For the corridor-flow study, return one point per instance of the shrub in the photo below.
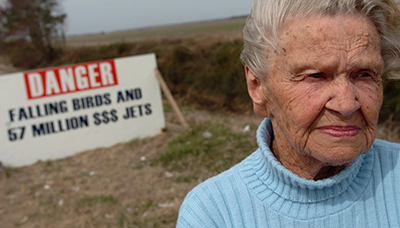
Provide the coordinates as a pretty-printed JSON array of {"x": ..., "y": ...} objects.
[
  {"x": 391, "y": 101},
  {"x": 204, "y": 73},
  {"x": 23, "y": 55}
]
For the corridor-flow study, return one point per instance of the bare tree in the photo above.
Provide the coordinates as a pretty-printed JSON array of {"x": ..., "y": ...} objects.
[{"x": 36, "y": 22}]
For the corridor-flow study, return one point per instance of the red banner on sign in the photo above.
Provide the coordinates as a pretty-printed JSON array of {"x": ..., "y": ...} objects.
[{"x": 69, "y": 79}]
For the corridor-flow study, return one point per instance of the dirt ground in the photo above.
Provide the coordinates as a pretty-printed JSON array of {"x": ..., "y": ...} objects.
[{"x": 120, "y": 186}]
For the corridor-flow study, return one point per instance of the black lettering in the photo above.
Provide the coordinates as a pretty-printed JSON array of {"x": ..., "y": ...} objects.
[
  {"x": 30, "y": 112},
  {"x": 138, "y": 93},
  {"x": 97, "y": 120},
  {"x": 38, "y": 110},
  {"x": 47, "y": 127},
  {"x": 83, "y": 104},
  {"x": 12, "y": 114},
  {"x": 52, "y": 129},
  {"x": 53, "y": 108},
  {"x": 74, "y": 123},
  {"x": 76, "y": 105},
  {"x": 59, "y": 126},
  {"x": 148, "y": 109},
  {"x": 129, "y": 95},
  {"x": 137, "y": 111},
  {"x": 63, "y": 106},
  {"x": 105, "y": 117},
  {"x": 68, "y": 125},
  {"x": 89, "y": 102},
  {"x": 107, "y": 99},
  {"x": 38, "y": 131},
  {"x": 46, "y": 110},
  {"x": 120, "y": 97},
  {"x": 13, "y": 133},
  {"x": 56, "y": 108},
  {"x": 127, "y": 114},
  {"x": 130, "y": 112},
  {"x": 98, "y": 100},
  {"x": 140, "y": 110},
  {"x": 114, "y": 116},
  {"x": 132, "y": 109},
  {"x": 84, "y": 121},
  {"x": 22, "y": 114},
  {"x": 12, "y": 136},
  {"x": 77, "y": 122}
]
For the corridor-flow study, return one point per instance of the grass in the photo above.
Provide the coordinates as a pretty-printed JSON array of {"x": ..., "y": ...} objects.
[
  {"x": 89, "y": 201},
  {"x": 191, "y": 150},
  {"x": 190, "y": 156},
  {"x": 175, "y": 30},
  {"x": 122, "y": 220},
  {"x": 209, "y": 148}
]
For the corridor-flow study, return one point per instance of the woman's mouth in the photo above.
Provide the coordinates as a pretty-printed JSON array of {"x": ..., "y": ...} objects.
[{"x": 339, "y": 131}]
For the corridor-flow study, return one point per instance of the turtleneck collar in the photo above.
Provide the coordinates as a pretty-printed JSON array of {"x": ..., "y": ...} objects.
[{"x": 271, "y": 181}]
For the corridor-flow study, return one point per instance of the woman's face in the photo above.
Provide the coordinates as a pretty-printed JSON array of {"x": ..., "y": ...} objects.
[{"x": 324, "y": 89}]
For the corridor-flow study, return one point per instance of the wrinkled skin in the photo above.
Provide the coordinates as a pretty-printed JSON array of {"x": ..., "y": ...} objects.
[{"x": 323, "y": 93}]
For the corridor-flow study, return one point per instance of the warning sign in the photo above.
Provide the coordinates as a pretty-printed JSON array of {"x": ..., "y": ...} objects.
[{"x": 54, "y": 113}]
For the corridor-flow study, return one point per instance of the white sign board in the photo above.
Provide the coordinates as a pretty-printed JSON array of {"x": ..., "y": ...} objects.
[{"x": 54, "y": 113}]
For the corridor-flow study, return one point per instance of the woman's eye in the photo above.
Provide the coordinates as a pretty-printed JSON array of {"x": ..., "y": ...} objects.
[
  {"x": 364, "y": 75},
  {"x": 317, "y": 75}
]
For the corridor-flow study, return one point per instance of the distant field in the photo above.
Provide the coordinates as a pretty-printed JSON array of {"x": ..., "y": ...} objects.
[{"x": 225, "y": 28}]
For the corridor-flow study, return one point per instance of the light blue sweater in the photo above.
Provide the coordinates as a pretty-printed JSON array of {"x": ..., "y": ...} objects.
[{"x": 260, "y": 192}]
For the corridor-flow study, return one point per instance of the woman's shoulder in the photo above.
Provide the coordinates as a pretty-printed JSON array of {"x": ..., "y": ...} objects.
[
  {"x": 386, "y": 147},
  {"x": 388, "y": 156},
  {"x": 211, "y": 200}
]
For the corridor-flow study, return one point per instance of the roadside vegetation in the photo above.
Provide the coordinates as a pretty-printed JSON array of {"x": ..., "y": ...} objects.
[
  {"x": 143, "y": 182},
  {"x": 202, "y": 69}
]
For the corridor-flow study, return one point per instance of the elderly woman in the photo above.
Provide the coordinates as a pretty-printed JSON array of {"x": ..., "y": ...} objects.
[{"x": 314, "y": 69}]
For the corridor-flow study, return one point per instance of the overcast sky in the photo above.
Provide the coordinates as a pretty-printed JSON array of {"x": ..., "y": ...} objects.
[{"x": 95, "y": 16}]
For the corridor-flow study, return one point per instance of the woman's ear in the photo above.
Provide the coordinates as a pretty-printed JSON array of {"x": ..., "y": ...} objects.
[{"x": 254, "y": 88}]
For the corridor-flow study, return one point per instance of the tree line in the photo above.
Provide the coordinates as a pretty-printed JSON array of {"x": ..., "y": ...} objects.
[{"x": 32, "y": 31}]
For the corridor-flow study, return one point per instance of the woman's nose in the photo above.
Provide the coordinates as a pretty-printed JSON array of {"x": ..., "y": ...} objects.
[{"x": 343, "y": 97}]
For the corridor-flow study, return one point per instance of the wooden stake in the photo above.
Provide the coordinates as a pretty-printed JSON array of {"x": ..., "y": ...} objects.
[{"x": 171, "y": 99}]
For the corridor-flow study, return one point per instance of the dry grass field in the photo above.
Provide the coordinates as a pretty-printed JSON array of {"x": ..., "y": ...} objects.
[
  {"x": 141, "y": 183},
  {"x": 135, "y": 184},
  {"x": 224, "y": 29}
]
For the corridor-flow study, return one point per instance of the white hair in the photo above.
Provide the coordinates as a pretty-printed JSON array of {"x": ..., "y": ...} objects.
[{"x": 261, "y": 32}]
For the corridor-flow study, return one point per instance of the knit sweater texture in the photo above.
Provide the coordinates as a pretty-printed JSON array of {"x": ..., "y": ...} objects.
[{"x": 261, "y": 192}]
